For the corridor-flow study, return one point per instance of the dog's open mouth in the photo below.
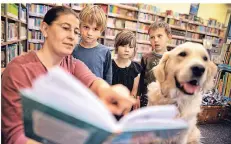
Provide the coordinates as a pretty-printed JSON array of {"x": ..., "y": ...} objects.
[{"x": 188, "y": 88}]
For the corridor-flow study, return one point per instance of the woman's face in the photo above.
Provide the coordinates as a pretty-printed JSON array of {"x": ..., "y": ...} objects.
[{"x": 62, "y": 35}]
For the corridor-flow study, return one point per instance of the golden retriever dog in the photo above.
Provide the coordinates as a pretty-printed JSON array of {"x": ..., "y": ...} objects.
[{"x": 181, "y": 75}]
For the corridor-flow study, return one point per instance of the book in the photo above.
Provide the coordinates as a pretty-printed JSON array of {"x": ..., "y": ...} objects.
[{"x": 60, "y": 109}]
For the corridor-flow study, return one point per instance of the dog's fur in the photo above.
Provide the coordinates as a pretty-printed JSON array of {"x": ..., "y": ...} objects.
[{"x": 176, "y": 66}]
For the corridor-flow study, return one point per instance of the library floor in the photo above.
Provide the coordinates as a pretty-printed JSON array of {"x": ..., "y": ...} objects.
[{"x": 216, "y": 133}]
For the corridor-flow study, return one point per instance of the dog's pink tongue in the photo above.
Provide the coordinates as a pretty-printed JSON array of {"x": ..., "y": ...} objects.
[{"x": 190, "y": 88}]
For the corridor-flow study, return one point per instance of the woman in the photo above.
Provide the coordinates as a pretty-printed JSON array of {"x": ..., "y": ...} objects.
[{"x": 60, "y": 28}]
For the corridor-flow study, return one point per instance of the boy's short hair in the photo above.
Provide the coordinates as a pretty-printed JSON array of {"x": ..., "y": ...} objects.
[
  {"x": 160, "y": 24},
  {"x": 125, "y": 37},
  {"x": 93, "y": 13}
]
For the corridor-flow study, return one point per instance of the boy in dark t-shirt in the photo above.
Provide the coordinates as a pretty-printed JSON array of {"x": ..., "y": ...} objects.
[{"x": 159, "y": 35}]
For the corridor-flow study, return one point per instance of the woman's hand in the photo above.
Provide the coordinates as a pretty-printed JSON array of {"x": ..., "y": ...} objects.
[{"x": 117, "y": 98}]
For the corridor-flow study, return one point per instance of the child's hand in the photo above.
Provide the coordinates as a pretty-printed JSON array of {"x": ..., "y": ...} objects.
[{"x": 137, "y": 104}]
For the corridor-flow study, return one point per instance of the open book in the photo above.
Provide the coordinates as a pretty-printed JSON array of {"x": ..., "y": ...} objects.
[{"x": 60, "y": 109}]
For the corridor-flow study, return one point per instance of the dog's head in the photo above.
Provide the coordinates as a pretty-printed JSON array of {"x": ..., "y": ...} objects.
[{"x": 187, "y": 68}]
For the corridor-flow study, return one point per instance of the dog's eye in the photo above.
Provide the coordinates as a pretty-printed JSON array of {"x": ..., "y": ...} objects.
[
  {"x": 205, "y": 58},
  {"x": 183, "y": 54}
]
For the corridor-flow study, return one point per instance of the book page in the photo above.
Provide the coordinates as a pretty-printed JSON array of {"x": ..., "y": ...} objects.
[
  {"x": 151, "y": 112},
  {"x": 62, "y": 91}
]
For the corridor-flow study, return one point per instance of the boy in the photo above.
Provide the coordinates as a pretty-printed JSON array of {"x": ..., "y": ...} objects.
[
  {"x": 159, "y": 35},
  {"x": 96, "y": 56}
]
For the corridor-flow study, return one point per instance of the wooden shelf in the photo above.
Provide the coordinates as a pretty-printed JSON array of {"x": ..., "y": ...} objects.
[
  {"x": 121, "y": 28},
  {"x": 3, "y": 16},
  {"x": 177, "y": 27},
  {"x": 122, "y": 17},
  {"x": 196, "y": 32},
  {"x": 125, "y": 7},
  {"x": 150, "y": 12},
  {"x": 23, "y": 4},
  {"x": 142, "y": 31},
  {"x": 35, "y": 41},
  {"x": 12, "y": 18},
  {"x": 184, "y": 20},
  {"x": 9, "y": 42},
  {"x": 23, "y": 22},
  {"x": 145, "y": 21},
  {"x": 178, "y": 37},
  {"x": 110, "y": 37},
  {"x": 192, "y": 22},
  {"x": 48, "y": 4},
  {"x": 195, "y": 40},
  {"x": 143, "y": 42},
  {"x": 209, "y": 34},
  {"x": 36, "y": 15}
]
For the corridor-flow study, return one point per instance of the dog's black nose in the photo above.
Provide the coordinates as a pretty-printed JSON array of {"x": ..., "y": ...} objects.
[{"x": 197, "y": 70}]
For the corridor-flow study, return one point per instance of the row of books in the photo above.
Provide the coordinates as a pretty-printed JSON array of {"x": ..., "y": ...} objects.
[
  {"x": 142, "y": 27},
  {"x": 117, "y": 23},
  {"x": 2, "y": 9},
  {"x": 120, "y": 11},
  {"x": 212, "y": 30},
  {"x": 12, "y": 10},
  {"x": 35, "y": 46},
  {"x": 214, "y": 23},
  {"x": 178, "y": 32},
  {"x": 194, "y": 35},
  {"x": 150, "y": 8},
  {"x": 143, "y": 48},
  {"x": 38, "y": 9},
  {"x": 227, "y": 58},
  {"x": 12, "y": 31},
  {"x": 23, "y": 32},
  {"x": 3, "y": 57},
  {"x": 111, "y": 33},
  {"x": 215, "y": 40},
  {"x": 141, "y": 36},
  {"x": 224, "y": 84},
  {"x": 3, "y": 33},
  {"x": 109, "y": 43},
  {"x": 35, "y": 35},
  {"x": 11, "y": 51},
  {"x": 34, "y": 23},
  {"x": 176, "y": 42},
  {"x": 178, "y": 23},
  {"x": 23, "y": 14},
  {"x": 149, "y": 17},
  {"x": 196, "y": 28}
]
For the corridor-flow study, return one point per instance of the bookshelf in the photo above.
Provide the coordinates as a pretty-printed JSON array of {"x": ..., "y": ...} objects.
[
  {"x": 134, "y": 17},
  {"x": 138, "y": 17},
  {"x": 13, "y": 32},
  {"x": 223, "y": 80}
]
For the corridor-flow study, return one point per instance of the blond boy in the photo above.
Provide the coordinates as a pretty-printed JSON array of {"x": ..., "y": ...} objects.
[{"x": 96, "y": 56}]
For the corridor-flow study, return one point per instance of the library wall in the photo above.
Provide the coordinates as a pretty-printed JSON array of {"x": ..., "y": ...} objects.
[{"x": 206, "y": 11}]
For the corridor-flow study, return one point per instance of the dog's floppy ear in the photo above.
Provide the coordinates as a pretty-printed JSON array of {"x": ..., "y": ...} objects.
[
  {"x": 212, "y": 71},
  {"x": 159, "y": 70}
]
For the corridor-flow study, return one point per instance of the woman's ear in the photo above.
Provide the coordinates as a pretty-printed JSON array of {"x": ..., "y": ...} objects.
[
  {"x": 44, "y": 29},
  {"x": 159, "y": 70}
]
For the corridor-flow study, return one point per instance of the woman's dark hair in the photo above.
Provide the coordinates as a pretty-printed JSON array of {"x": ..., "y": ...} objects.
[{"x": 55, "y": 12}]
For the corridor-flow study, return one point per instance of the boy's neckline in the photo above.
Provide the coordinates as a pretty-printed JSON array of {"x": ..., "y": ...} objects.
[{"x": 89, "y": 47}]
